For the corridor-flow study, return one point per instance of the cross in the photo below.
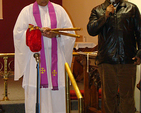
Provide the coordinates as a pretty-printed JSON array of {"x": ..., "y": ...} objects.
[
  {"x": 42, "y": 70},
  {"x": 54, "y": 72}
]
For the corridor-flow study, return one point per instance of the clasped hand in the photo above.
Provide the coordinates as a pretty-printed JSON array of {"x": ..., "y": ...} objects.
[{"x": 48, "y": 33}]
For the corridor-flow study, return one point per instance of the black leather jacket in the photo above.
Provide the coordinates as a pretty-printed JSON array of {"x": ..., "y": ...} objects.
[{"x": 117, "y": 36}]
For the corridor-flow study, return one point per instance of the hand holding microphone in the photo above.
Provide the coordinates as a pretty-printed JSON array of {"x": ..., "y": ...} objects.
[{"x": 110, "y": 9}]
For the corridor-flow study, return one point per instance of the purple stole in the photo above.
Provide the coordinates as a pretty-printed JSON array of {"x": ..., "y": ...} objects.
[{"x": 54, "y": 57}]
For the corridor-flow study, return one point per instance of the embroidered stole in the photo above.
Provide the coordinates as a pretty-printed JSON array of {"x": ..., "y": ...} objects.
[{"x": 54, "y": 56}]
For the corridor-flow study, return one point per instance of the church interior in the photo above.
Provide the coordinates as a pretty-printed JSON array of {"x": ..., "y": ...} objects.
[{"x": 87, "y": 98}]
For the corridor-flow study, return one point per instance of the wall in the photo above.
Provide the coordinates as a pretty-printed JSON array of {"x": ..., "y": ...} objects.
[
  {"x": 137, "y": 2},
  {"x": 138, "y": 76},
  {"x": 79, "y": 11},
  {"x": 11, "y": 9},
  {"x": 1, "y": 9}
]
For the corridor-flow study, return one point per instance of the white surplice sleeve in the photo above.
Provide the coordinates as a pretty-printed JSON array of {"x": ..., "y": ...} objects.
[{"x": 22, "y": 51}]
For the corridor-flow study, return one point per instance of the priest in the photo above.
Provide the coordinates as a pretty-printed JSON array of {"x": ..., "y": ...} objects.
[{"x": 32, "y": 34}]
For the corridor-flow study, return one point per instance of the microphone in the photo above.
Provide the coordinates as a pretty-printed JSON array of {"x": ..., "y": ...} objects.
[{"x": 36, "y": 56}]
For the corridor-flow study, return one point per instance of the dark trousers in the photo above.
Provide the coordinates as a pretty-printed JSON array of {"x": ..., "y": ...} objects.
[{"x": 114, "y": 77}]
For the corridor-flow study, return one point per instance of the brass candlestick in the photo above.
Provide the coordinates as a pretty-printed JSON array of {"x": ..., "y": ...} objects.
[
  {"x": 6, "y": 73},
  {"x": 5, "y": 77}
]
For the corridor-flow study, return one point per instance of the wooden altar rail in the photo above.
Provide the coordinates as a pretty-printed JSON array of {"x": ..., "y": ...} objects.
[{"x": 91, "y": 100}]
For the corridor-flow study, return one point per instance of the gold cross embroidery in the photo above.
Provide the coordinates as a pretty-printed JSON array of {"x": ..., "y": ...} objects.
[
  {"x": 42, "y": 70},
  {"x": 54, "y": 72}
]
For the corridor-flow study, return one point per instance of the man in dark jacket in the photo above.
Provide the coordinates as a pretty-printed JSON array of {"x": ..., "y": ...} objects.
[{"x": 118, "y": 26}]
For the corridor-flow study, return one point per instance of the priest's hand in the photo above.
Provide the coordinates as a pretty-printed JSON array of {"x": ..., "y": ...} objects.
[
  {"x": 136, "y": 60},
  {"x": 47, "y": 32}
]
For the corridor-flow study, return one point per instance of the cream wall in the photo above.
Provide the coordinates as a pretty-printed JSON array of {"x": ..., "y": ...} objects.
[
  {"x": 138, "y": 77},
  {"x": 79, "y": 12},
  {"x": 137, "y": 2},
  {"x": 0, "y": 9}
]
